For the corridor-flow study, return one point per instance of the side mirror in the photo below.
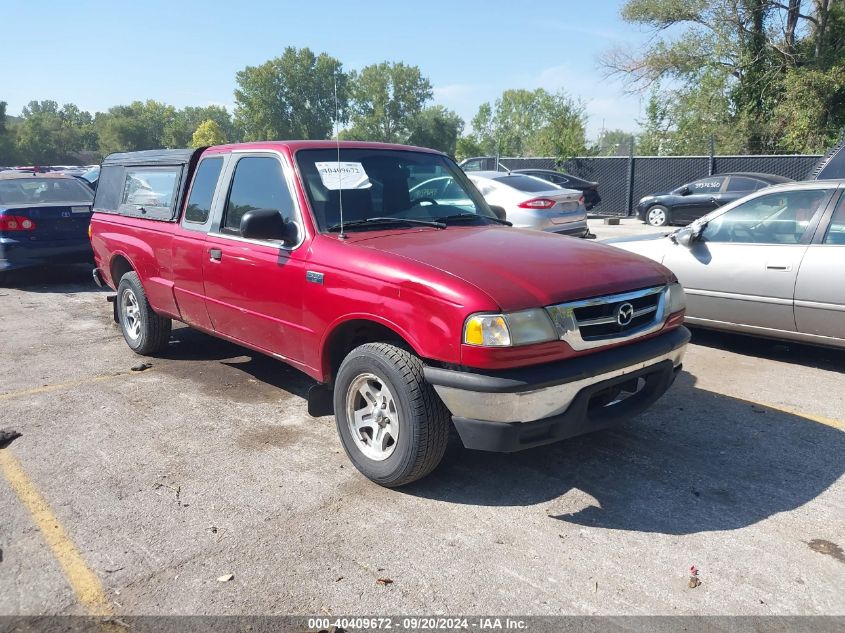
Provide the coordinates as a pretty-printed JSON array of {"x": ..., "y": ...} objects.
[
  {"x": 499, "y": 212},
  {"x": 685, "y": 236},
  {"x": 268, "y": 224},
  {"x": 684, "y": 191}
]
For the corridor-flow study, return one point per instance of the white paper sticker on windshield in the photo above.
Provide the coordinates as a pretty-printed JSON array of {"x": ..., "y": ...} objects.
[{"x": 342, "y": 175}]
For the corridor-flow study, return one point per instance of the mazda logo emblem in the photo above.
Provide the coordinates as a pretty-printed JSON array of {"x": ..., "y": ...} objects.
[{"x": 624, "y": 314}]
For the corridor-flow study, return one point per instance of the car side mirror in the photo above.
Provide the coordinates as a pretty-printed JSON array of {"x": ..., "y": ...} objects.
[
  {"x": 268, "y": 224},
  {"x": 684, "y": 191},
  {"x": 499, "y": 212},
  {"x": 685, "y": 236}
]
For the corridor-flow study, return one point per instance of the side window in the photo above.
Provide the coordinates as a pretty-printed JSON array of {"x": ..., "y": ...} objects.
[
  {"x": 258, "y": 183},
  {"x": 776, "y": 218},
  {"x": 836, "y": 230},
  {"x": 741, "y": 183},
  {"x": 149, "y": 190},
  {"x": 706, "y": 185},
  {"x": 473, "y": 165},
  {"x": 202, "y": 191}
]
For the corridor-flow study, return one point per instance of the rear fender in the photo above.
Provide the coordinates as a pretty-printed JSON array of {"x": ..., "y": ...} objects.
[{"x": 142, "y": 258}]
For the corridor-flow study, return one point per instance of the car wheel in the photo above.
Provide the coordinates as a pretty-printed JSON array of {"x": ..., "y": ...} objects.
[
  {"x": 657, "y": 215},
  {"x": 392, "y": 424},
  {"x": 144, "y": 331}
]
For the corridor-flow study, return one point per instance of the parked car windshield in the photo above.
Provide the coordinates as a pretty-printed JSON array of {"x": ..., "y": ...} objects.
[
  {"x": 28, "y": 190},
  {"x": 376, "y": 183}
]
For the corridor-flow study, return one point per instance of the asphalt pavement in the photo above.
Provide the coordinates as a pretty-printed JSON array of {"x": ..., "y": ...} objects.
[{"x": 142, "y": 492}]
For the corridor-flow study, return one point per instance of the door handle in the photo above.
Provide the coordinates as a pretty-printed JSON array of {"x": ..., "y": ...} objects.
[
  {"x": 215, "y": 254},
  {"x": 778, "y": 266}
]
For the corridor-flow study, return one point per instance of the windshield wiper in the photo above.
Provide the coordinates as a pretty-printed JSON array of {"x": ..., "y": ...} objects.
[
  {"x": 385, "y": 220},
  {"x": 473, "y": 216}
]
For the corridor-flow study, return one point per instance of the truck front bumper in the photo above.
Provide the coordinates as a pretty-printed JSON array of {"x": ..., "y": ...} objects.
[{"x": 507, "y": 411}]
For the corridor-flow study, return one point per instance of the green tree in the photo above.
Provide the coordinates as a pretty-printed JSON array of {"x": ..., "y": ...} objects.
[
  {"x": 137, "y": 126},
  {"x": 179, "y": 131},
  {"x": 290, "y": 97},
  {"x": 50, "y": 134},
  {"x": 7, "y": 142},
  {"x": 811, "y": 111},
  {"x": 208, "y": 133},
  {"x": 736, "y": 65},
  {"x": 386, "y": 100},
  {"x": 529, "y": 122},
  {"x": 563, "y": 132},
  {"x": 612, "y": 143},
  {"x": 436, "y": 127}
]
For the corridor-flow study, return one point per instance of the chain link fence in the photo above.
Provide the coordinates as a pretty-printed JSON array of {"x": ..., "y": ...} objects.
[{"x": 623, "y": 180}]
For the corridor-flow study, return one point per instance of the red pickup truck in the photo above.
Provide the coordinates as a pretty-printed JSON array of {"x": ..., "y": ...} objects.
[{"x": 381, "y": 272}]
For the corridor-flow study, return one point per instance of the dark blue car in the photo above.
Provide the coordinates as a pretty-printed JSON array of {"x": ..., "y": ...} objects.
[{"x": 43, "y": 220}]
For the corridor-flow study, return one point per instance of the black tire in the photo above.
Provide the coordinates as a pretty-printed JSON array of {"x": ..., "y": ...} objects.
[
  {"x": 148, "y": 334},
  {"x": 655, "y": 211},
  {"x": 423, "y": 420}
]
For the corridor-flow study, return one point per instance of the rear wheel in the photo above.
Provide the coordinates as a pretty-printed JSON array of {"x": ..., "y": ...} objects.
[
  {"x": 144, "y": 331},
  {"x": 392, "y": 424},
  {"x": 657, "y": 215}
]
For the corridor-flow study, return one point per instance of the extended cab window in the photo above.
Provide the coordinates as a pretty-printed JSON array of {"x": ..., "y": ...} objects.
[
  {"x": 202, "y": 191},
  {"x": 258, "y": 184},
  {"x": 149, "y": 190}
]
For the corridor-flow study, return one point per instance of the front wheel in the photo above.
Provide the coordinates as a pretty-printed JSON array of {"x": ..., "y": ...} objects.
[
  {"x": 657, "y": 215},
  {"x": 144, "y": 331},
  {"x": 392, "y": 424}
]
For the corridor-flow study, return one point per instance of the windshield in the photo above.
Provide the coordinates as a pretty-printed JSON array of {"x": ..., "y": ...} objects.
[
  {"x": 92, "y": 174},
  {"x": 375, "y": 183},
  {"x": 27, "y": 191}
]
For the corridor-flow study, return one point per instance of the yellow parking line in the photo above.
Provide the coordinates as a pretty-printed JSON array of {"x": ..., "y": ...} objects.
[
  {"x": 61, "y": 385},
  {"x": 82, "y": 579},
  {"x": 836, "y": 424}
]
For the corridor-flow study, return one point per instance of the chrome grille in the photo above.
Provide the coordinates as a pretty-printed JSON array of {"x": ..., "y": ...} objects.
[{"x": 610, "y": 319}]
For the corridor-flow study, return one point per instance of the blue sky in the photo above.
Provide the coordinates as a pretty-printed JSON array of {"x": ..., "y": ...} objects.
[{"x": 98, "y": 54}]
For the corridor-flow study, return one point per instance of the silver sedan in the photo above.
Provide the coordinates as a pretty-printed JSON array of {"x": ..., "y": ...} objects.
[
  {"x": 770, "y": 264},
  {"x": 534, "y": 203}
]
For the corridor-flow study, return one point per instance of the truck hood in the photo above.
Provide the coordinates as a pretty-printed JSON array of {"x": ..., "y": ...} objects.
[{"x": 521, "y": 268}]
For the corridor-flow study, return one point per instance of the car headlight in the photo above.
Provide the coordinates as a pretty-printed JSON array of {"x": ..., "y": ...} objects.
[
  {"x": 506, "y": 330},
  {"x": 677, "y": 300}
]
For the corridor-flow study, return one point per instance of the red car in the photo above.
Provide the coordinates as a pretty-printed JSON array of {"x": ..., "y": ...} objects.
[{"x": 413, "y": 315}]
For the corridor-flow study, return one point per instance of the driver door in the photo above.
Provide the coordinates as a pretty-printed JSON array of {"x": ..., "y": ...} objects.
[
  {"x": 703, "y": 197},
  {"x": 743, "y": 267}
]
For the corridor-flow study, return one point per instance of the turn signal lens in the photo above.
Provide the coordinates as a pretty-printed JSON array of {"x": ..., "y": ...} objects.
[
  {"x": 505, "y": 330},
  {"x": 489, "y": 330}
]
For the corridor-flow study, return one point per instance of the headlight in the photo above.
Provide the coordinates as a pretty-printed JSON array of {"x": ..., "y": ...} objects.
[
  {"x": 677, "y": 299},
  {"x": 506, "y": 330}
]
